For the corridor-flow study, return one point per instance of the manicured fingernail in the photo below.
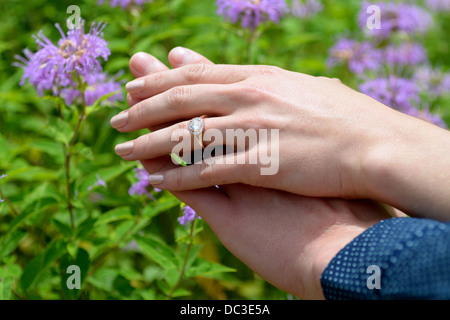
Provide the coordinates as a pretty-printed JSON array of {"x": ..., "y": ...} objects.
[
  {"x": 181, "y": 55},
  {"x": 144, "y": 63},
  {"x": 120, "y": 120},
  {"x": 155, "y": 179},
  {"x": 124, "y": 148},
  {"x": 135, "y": 85}
]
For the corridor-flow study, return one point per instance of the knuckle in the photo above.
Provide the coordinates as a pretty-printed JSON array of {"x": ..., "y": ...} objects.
[
  {"x": 253, "y": 92},
  {"x": 195, "y": 72},
  {"x": 139, "y": 111},
  {"x": 207, "y": 172},
  {"x": 182, "y": 126},
  {"x": 178, "y": 178},
  {"x": 158, "y": 80},
  {"x": 258, "y": 121},
  {"x": 141, "y": 145},
  {"x": 267, "y": 70},
  {"x": 337, "y": 80},
  {"x": 177, "y": 97}
]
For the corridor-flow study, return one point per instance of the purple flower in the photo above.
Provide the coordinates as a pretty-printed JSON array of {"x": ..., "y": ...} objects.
[
  {"x": 397, "y": 93},
  {"x": 99, "y": 182},
  {"x": 425, "y": 115},
  {"x": 76, "y": 57},
  {"x": 1, "y": 177},
  {"x": 251, "y": 13},
  {"x": 124, "y": 3},
  {"x": 131, "y": 246},
  {"x": 188, "y": 216},
  {"x": 397, "y": 17},
  {"x": 359, "y": 56},
  {"x": 98, "y": 86},
  {"x": 432, "y": 81},
  {"x": 141, "y": 186},
  {"x": 307, "y": 8},
  {"x": 405, "y": 54},
  {"x": 439, "y": 5}
]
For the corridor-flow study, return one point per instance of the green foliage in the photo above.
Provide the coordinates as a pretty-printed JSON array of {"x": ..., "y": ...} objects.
[{"x": 127, "y": 247}]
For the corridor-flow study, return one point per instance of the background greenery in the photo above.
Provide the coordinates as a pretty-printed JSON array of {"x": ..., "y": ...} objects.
[{"x": 36, "y": 240}]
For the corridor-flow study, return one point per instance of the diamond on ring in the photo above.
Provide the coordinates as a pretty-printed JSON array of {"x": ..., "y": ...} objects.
[{"x": 196, "y": 126}]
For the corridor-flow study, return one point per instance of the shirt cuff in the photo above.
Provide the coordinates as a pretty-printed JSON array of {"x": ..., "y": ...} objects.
[{"x": 398, "y": 258}]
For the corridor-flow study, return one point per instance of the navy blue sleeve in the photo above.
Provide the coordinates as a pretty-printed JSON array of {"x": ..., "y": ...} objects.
[{"x": 398, "y": 258}]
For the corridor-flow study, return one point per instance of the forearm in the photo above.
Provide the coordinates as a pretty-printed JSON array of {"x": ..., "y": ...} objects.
[{"x": 409, "y": 167}]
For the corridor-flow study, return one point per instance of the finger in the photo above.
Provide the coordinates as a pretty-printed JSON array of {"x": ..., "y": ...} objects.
[
  {"x": 132, "y": 101},
  {"x": 162, "y": 126},
  {"x": 180, "y": 56},
  {"x": 178, "y": 103},
  {"x": 158, "y": 164},
  {"x": 142, "y": 64},
  {"x": 156, "y": 83},
  {"x": 214, "y": 171},
  {"x": 163, "y": 142}
]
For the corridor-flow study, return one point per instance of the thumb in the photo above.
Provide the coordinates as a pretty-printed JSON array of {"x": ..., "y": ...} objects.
[{"x": 180, "y": 56}]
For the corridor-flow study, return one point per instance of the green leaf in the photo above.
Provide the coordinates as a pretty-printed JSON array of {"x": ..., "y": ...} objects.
[
  {"x": 39, "y": 193},
  {"x": 40, "y": 263},
  {"x": 83, "y": 151},
  {"x": 99, "y": 103},
  {"x": 65, "y": 230},
  {"x": 122, "y": 213},
  {"x": 59, "y": 130},
  {"x": 32, "y": 174},
  {"x": 50, "y": 147},
  {"x": 85, "y": 228},
  {"x": 10, "y": 242},
  {"x": 5, "y": 288},
  {"x": 207, "y": 269},
  {"x": 104, "y": 278},
  {"x": 106, "y": 174},
  {"x": 40, "y": 207},
  {"x": 159, "y": 252},
  {"x": 163, "y": 205},
  {"x": 178, "y": 160}
]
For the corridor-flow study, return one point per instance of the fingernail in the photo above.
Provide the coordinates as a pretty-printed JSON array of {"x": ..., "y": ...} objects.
[
  {"x": 155, "y": 179},
  {"x": 144, "y": 63},
  {"x": 124, "y": 148},
  {"x": 135, "y": 85},
  {"x": 181, "y": 55},
  {"x": 120, "y": 120}
]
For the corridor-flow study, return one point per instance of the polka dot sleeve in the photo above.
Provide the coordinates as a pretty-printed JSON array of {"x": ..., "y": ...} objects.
[{"x": 398, "y": 258}]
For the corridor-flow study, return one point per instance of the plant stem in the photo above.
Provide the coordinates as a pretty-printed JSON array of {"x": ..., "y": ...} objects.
[
  {"x": 10, "y": 205},
  {"x": 183, "y": 268},
  {"x": 68, "y": 153}
]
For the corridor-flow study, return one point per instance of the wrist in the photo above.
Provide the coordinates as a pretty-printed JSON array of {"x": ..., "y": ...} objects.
[{"x": 406, "y": 166}]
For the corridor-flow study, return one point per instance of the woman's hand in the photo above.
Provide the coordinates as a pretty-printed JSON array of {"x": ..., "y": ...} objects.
[
  {"x": 333, "y": 141},
  {"x": 323, "y": 136},
  {"x": 285, "y": 238}
]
